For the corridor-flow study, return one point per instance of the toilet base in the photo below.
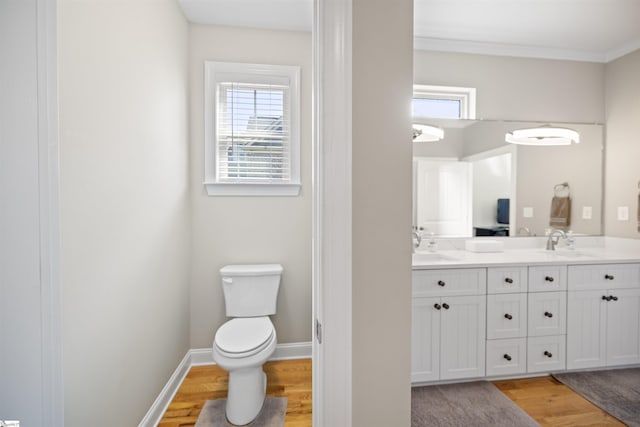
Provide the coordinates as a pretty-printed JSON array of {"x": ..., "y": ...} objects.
[{"x": 247, "y": 389}]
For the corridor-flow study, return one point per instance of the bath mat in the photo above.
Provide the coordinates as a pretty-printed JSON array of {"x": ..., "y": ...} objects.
[
  {"x": 616, "y": 392},
  {"x": 477, "y": 403},
  {"x": 272, "y": 413}
]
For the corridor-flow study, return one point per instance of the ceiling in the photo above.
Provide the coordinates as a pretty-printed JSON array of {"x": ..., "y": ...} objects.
[{"x": 584, "y": 30}]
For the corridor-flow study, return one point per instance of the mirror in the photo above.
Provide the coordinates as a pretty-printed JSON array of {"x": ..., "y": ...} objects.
[{"x": 473, "y": 183}]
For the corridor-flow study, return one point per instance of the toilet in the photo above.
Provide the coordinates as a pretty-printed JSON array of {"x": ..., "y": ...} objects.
[{"x": 242, "y": 344}]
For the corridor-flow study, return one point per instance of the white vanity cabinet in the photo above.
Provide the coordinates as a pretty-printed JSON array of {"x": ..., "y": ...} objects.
[
  {"x": 603, "y": 326},
  {"x": 448, "y": 324}
]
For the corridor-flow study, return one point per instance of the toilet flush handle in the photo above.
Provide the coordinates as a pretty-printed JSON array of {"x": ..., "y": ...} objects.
[{"x": 227, "y": 281}]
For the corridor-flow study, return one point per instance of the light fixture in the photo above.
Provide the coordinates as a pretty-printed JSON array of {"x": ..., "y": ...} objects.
[
  {"x": 543, "y": 136},
  {"x": 427, "y": 133}
]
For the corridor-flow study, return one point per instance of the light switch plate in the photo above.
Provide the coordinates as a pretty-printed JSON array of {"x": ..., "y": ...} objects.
[
  {"x": 587, "y": 212},
  {"x": 623, "y": 213},
  {"x": 527, "y": 212}
]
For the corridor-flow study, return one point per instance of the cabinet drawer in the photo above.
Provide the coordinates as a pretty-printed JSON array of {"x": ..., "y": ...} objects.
[
  {"x": 506, "y": 316},
  {"x": 546, "y": 353},
  {"x": 547, "y": 312},
  {"x": 548, "y": 278},
  {"x": 469, "y": 281},
  {"x": 506, "y": 357},
  {"x": 506, "y": 280},
  {"x": 604, "y": 276}
]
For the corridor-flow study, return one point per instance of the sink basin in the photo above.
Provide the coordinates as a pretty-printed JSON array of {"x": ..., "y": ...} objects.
[
  {"x": 431, "y": 257},
  {"x": 564, "y": 253}
]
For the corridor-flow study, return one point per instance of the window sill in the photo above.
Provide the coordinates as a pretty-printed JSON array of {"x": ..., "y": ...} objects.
[{"x": 238, "y": 189}]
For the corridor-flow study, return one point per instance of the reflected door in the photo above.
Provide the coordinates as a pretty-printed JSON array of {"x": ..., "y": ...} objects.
[{"x": 443, "y": 197}]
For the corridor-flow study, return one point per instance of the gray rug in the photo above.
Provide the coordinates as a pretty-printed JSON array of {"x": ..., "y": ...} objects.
[
  {"x": 272, "y": 413},
  {"x": 615, "y": 391},
  {"x": 476, "y": 404}
]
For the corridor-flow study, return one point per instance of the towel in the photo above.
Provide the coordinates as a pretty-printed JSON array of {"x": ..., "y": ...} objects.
[{"x": 560, "y": 212}]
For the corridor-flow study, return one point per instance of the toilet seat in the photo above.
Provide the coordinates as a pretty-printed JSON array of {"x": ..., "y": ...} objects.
[{"x": 244, "y": 336}]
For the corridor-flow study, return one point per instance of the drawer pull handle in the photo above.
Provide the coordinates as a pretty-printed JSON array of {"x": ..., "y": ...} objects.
[
  {"x": 508, "y": 316},
  {"x": 547, "y": 314},
  {"x": 437, "y": 306},
  {"x": 546, "y": 353},
  {"x": 445, "y": 306},
  {"x": 613, "y": 297},
  {"x": 441, "y": 283},
  {"x": 609, "y": 277},
  {"x": 506, "y": 356},
  {"x": 548, "y": 279},
  {"x": 509, "y": 280}
]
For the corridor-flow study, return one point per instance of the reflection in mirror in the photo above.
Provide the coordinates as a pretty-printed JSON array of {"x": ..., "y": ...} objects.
[{"x": 473, "y": 183}]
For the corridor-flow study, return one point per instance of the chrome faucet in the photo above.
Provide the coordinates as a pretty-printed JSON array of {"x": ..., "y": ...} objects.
[
  {"x": 551, "y": 242},
  {"x": 416, "y": 238}
]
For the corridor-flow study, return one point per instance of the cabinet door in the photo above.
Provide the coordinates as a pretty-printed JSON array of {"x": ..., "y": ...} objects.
[
  {"x": 547, "y": 313},
  {"x": 425, "y": 339},
  {"x": 462, "y": 340},
  {"x": 547, "y": 278},
  {"x": 441, "y": 282},
  {"x": 546, "y": 354},
  {"x": 623, "y": 327},
  {"x": 506, "y": 316},
  {"x": 586, "y": 329},
  {"x": 507, "y": 357},
  {"x": 506, "y": 280}
]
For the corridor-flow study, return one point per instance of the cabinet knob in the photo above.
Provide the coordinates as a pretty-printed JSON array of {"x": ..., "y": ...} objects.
[
  {"x": 547, "y": 314},
  {"x": 604, "y": 297},
  {"x": 508, "y": 280},
  {"x": 609, "y": 277},
  {"x": 506, "y": 356},
  {"x": 546, "y": 353},
  {"x": 437, "y": 306},
  {"x": 441, "y": 283},
  {"x": 508, "y": 316},
  {"x": 445, "y": 306},
  {"x": 613, "y": 297},
  {"x": 548, "y": 279}
]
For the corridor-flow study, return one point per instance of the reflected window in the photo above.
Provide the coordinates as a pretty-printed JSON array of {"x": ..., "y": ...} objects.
[{"x": 443, "y": 102}]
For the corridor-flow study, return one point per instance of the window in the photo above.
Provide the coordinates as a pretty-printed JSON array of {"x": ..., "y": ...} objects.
[
  {"x": 252, "y": 141},
  {"x": 443, "y": 102}
]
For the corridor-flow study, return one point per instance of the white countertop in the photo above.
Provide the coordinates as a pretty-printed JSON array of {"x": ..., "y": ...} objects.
[{"x": 530, "y": 251}]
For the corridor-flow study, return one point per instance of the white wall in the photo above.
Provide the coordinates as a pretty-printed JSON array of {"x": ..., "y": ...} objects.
[
  {"x": 622, "y": 172},
  {"x": 124, "y": 205},
  {"x": 241, "y": 230},
  {"x": 381, "y": 209}
]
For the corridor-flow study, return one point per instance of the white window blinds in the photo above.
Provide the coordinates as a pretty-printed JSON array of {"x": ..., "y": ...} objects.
[{"x": 253, "y": 132}]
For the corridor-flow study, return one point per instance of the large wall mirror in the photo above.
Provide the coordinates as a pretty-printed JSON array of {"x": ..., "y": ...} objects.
[{"x": 473, "y": 183}]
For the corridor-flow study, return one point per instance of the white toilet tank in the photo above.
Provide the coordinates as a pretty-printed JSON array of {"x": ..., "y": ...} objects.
[{"x": 251, "y": 290}]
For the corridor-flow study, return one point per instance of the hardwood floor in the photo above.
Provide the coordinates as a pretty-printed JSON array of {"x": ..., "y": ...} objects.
[
  {"x": 546, "y": 400},
  {"x": 291, "y": 379},
  {"x": 551, "y": 403}
]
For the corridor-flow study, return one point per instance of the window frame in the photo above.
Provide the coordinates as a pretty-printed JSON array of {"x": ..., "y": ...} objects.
[
  {"x": 216, "y": 72},
  {"x": 465, "y": 95}
]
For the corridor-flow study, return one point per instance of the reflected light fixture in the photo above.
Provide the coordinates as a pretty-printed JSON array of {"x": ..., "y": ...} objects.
[
  {"x": 543, "y": 136},
  {"x": 427, "y": 133}
]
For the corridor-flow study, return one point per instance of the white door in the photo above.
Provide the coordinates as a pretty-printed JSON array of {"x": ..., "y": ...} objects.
[
  {"x": 623, "y": 327},
  {"x": 586, "y": 329},
  {"x": 462, "y": 337},
  {"x": 425, "y": 339},
  {"x": 443, "y": 197}
]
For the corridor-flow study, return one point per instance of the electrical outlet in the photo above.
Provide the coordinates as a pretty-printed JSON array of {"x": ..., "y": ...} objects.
[
  {"x": 527, "y": 212},
  {"x": 587, "y": 212},
  {"x": 623, "y": 213}
]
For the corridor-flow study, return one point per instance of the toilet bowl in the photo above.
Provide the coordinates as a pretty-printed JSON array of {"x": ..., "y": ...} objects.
[{"x": 243, "y": 344}]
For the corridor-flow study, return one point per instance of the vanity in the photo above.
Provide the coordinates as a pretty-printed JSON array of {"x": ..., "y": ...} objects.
[{"x": 524, "y": 311}]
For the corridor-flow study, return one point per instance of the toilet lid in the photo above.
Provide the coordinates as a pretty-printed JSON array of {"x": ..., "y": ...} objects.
[{"x": 243, "y": 334}]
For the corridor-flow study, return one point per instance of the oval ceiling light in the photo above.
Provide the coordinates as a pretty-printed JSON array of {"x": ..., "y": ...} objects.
[
  {"x": 427, "y": 133},
  {"x": 543, "y": 136}
]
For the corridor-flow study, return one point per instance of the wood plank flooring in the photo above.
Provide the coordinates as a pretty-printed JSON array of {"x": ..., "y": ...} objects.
[{"x": 546, "y": 400}]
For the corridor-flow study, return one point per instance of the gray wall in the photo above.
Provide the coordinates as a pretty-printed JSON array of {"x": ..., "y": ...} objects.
[
  {"x": 381, "y": 203},
  {"x": 237, "y": 230},
  {"x": 124, "y": 205},
  {"x": 622, "y": 170}
]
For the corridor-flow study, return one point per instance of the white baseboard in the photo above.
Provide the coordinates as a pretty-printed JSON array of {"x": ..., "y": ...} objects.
[{"x": 202, "y": 357}]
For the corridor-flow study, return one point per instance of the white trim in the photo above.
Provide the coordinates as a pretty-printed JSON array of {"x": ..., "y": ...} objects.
[
  {"x": 332, "y": 215},
  {"x": 238, "y": 189},
  {"x": 202, "y": 357},
  {"x": 48, "y": 170}
]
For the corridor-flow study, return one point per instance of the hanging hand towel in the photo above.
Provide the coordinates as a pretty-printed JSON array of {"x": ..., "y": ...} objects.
[{"x": 560, "y": 212}]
